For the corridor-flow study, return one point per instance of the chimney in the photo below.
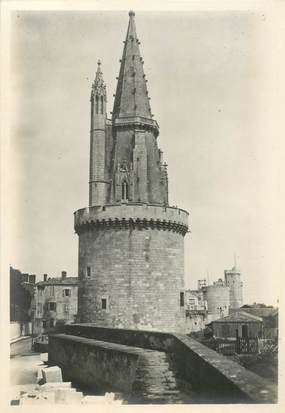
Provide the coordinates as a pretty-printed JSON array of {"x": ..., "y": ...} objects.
[
  {"x": 32, "y": 278},
  {"x": 63, "y": 275},
  {"x": 45, "y": 277}
]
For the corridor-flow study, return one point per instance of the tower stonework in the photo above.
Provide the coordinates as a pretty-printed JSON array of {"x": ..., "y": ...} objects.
[{"x": 131, "y": 242}]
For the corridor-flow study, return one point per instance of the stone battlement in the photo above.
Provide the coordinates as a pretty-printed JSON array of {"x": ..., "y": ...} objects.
[{"x": 132, "y": 215}]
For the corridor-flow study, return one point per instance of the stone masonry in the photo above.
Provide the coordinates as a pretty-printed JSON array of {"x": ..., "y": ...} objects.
[{"x": 131, "y": 242}]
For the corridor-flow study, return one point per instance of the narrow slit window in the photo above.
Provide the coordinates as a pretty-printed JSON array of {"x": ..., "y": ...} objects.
[
  {"x": 88, "y": 272},
  {"x": 97, "y": 104},
  {"x": 104, "y": 303},
  {"x": 182, "y": 299},
  {"x": 102, "y": 107}
]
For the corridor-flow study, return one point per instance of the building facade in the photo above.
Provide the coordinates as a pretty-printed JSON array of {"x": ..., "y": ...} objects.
[
  {"x": 22, "y": 304},
  {"x": 55, "y": 302},
  {"x": 233, "y": 281},
  {"x": 195, "y": 310},
  {"x": 131, "y": 242}
]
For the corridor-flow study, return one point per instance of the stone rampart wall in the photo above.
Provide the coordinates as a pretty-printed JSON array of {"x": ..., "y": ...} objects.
[{"x": 88, "y": 362}]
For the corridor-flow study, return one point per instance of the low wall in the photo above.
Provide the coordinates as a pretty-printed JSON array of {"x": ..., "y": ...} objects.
[
  {"x": 87, "y": 361},
  {"x": 21, "y": 345},
  {"x": 143, "y": 376},
  {"x": 218, "y": 378},
  {"x": 18, "y": 329}
]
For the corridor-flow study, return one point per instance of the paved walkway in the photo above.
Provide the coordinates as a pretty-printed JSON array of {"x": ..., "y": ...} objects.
[{"x": 23, "y": 373}]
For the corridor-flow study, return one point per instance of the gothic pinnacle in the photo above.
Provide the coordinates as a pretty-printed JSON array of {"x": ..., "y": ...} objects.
[{"x": 98, "y": 86}]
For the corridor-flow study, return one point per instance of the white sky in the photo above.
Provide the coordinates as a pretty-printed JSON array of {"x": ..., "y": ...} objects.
[{"x": 209, "y": 79}]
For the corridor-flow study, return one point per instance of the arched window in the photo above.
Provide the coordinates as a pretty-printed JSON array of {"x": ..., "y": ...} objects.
[
  {"x": 125, "y": 191},
  {"x": 102, "y": 105},
  {"x": 97, "y": 104}
]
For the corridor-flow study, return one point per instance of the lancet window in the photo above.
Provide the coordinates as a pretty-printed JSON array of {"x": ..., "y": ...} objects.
[{"x": 125, "y": 191}]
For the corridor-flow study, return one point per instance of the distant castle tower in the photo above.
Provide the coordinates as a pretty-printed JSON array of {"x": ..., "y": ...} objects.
[
  {"x": 233, "y": 281},
  {"x": 217, "y": 297},
  {"x": 131, "y": 243}
]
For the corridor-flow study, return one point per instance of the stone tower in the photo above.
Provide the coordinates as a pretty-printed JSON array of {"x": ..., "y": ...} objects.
[
  {"x": 233, "y": 281},
  {"x": 131, "y": 242}
]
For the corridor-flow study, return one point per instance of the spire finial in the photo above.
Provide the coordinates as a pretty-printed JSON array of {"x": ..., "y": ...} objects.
[
  {"x": 131, "y": 13},
  {"x": 99, "y": 65}
]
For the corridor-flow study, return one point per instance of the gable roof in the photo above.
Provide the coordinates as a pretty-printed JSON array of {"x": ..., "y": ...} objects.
[
  {"x": 262, "y": 312},
  {"x": 239, "y": 317}
]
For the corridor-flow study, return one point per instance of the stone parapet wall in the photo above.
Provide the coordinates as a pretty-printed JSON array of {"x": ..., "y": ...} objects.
[
  {"x": 21, "y": 345},
  {"x": 217, "y": 378},
  {"x": 92, "y": 363},
  {"x": 141, "y": 375},
  {"x": 137, "y": 215}
]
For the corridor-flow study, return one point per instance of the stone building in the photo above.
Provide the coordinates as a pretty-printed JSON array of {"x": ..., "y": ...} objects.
[
  {"x": 233, "y": 281},
  {"x": 131, "y": 242},
  {"x": 238, "y": 324},
  {"x": 269, "y": 315},
  {"x": 194, "y": 300},
  {"x": 207, "y": 303},
  {"x": 55, "y": 302},
  {"x": 196, "y": 310},
  {"x": 22, "y": 288}
]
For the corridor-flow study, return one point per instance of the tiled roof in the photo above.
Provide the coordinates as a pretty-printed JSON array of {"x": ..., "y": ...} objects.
[
  {"x": 239, "y": 316},
  {"x": 258, "y": 311},
  {"x": 58, "y": 281}
]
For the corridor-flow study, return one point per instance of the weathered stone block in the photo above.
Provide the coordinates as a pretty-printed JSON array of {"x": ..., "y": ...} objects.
[
  {"x": 54, "y": 386},
  {"x": 67, "y": 396},
  {"x": 52, "y": 374},
  {"x": 44, "y": 357},
  {"x": 40, "y": 374}
]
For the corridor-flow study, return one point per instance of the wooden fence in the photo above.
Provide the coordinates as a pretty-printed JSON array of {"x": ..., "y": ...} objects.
[{"x": 247, "y": 345}]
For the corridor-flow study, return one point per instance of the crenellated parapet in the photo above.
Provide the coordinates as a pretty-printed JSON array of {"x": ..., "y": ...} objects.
[{"x": 139, "y": 216}]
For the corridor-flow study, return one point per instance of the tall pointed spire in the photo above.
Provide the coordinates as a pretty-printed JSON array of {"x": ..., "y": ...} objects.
[{"x": 131, "y": 99}]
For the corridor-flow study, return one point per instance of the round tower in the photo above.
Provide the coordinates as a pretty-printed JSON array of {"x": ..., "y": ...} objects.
[
  {"x": 218, "y": 300},
  {"x": 131, "y": 242},
  {"x": 233, "y": 281}
]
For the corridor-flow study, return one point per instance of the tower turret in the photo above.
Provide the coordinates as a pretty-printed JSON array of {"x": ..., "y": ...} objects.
[
  {"x": 97, "y": 182},
  {"x": 233, "y": 281}
]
